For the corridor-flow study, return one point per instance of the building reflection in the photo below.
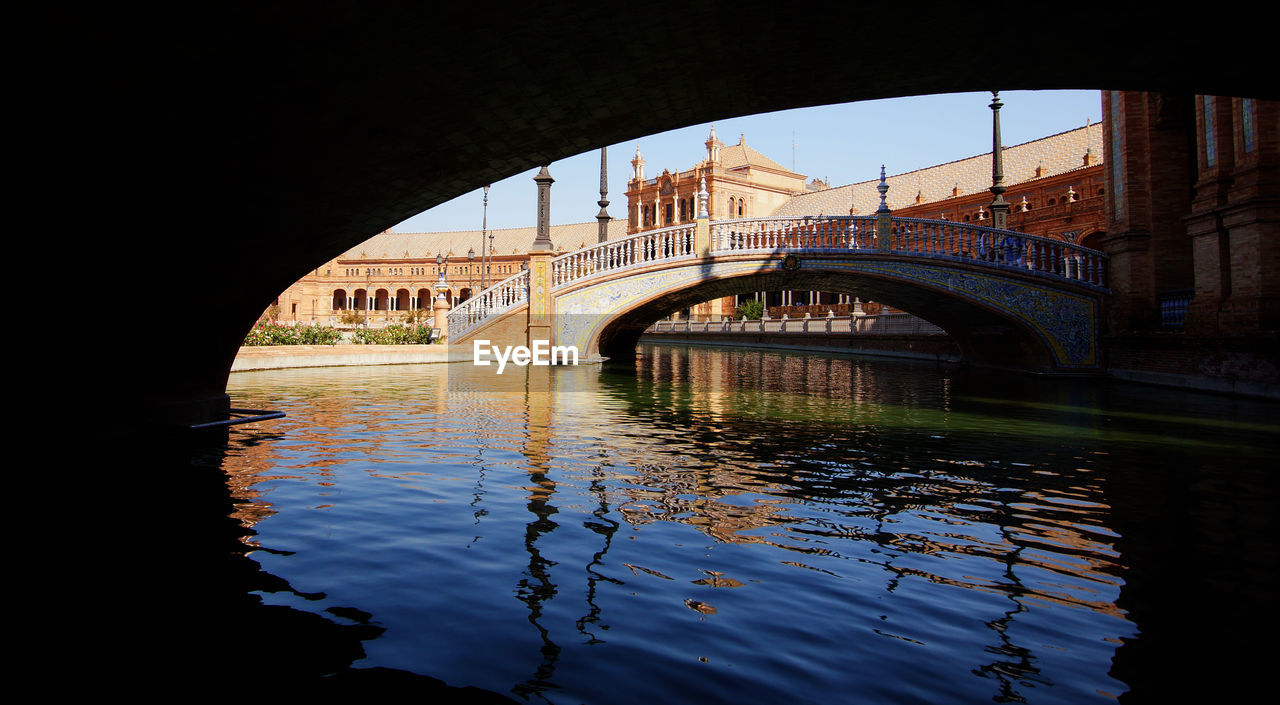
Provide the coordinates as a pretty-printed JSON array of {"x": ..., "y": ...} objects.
[{"x": 757, "y": 463}]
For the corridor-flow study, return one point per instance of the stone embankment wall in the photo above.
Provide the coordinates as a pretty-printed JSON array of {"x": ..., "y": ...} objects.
[{"x": 886, "y": 335}]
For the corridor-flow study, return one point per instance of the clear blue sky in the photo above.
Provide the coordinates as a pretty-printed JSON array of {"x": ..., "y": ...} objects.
[{"x": 843, "y": 143}]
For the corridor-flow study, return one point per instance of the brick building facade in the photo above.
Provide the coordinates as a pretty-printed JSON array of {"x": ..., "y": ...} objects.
[{"x": 1193, "y": 222}]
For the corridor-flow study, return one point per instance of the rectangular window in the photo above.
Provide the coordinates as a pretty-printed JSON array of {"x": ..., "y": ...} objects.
[
  {"x": 1210, "y": 145},
  {"x": 1246, "y": 123}
]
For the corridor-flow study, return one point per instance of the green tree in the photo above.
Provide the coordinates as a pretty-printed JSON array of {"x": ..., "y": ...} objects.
[{"x": 752, "y": 310}]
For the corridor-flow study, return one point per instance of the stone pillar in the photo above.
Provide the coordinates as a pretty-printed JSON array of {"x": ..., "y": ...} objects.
[
  {"x": 441, "y": 310},
  {"x": 884, "y": 225},
  {"x": 702, "y": 228},
  {"x": 541, "y": 303}
]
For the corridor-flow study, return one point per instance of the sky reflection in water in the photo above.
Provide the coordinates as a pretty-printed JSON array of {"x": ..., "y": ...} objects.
[{"x": 711, "y": 526}]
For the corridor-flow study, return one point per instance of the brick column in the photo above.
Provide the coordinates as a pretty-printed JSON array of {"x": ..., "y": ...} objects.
[
  {"x": 1147, "y": 172},
  {"x": 1250, "y": 217}
]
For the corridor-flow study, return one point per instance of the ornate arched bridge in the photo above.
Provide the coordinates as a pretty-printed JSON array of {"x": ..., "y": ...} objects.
[{"x": 1008, "y": 299}]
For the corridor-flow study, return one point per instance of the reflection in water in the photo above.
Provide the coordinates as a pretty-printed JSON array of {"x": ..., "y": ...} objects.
[{"x": 724, "y": 525}]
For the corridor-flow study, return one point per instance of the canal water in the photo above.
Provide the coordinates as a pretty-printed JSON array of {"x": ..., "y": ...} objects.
[{"x": 727, "y": 525}]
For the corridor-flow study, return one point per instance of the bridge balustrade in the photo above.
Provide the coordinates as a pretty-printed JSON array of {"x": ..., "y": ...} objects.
[
  {"x": 671, "y": 243},
  {"x": 746, "y": 234},
  {"x": 499, "y": 298},
  {"x": 942, "y": 239},
  {"x": 917, "y": 236}
]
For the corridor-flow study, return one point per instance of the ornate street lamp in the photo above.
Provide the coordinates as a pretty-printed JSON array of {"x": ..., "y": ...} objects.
[
  {"x": 999, "y": 206},
  {"x": 441, "y": 285},
  {"x": 471, "y": 255},
  {"x": 484, "y": 227}
]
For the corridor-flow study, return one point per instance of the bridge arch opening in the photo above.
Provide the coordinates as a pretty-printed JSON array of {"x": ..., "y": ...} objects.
[{"x": 985, "y": 336}]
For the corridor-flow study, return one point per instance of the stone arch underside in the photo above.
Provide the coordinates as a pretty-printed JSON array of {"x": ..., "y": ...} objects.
[
  {"x": 996, "y": 320},
  {"x": 314, "y": 135}
]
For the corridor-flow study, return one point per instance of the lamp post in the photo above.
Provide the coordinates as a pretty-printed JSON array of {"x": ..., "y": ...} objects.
[
  {"x": 441, "y": 285},
  {"x": 471, "y": 255},
  {"x": 999, "y": 206},
  {"x": 484, "y": 227},
  {"x": 441, "y": 305}
]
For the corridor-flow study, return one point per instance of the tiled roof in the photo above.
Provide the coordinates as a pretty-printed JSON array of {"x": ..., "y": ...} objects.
[
  {"x": 740, "y": 155},
  {"x": 424, "y": 246},
  {"x": 1057, "y": 154}
]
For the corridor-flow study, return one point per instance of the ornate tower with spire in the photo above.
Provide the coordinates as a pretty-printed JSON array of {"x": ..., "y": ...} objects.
[
  {"x": 713, "y": 146},
  {"x": 637, "y": 166}
]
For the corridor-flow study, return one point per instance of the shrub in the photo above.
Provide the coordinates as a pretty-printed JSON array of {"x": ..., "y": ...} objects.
[
  {"x": 752, "y": 310},
  {"x": 394, "y": 334},
  {"x": 268, "y": 333}
]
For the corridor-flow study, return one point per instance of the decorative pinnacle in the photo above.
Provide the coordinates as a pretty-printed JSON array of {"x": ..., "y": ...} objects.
[
  {"x": 997, "y": 156},
  {"x": 604, "y": 182},
  {"x": 703, "y": 197},
  {"x": 602, "y": 218},
  {"x": 544, "y": 181},
  {"x": 883, "y": 188},
  {"x": 604, "y": 178}
]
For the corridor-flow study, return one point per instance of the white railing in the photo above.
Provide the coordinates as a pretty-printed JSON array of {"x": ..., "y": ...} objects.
[
  {"x": 497, "y": 299},
  {"x": 942, "y": 239},
  {"x": 747, "y": 234},
  {"x": 667, "y": 244}
]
